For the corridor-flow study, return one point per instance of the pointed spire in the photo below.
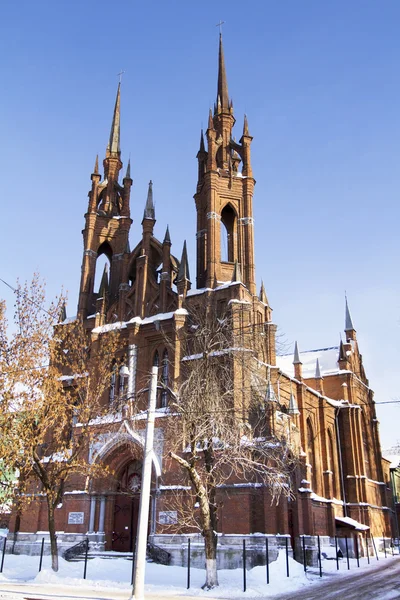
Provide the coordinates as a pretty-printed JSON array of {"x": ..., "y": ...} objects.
[
  {"x": 183, "y": 272},
  {"x": 167, "y": 237},
  {"x": 317, "y": 370},
  {"x": 293, "y": 408},
  {"x": 270, "y": 395},
  {"x": 128, "y": 247},
  {"x": 348, "y": 322},
  {"x": 210, "y": 120},
  {"x": 103, "y": 289},
  {"x": 237, "y": 275},
  {"x": 222, "y": 92},
  {"x": 245, "y": 126},
  {"x": 296, "y": 357},
  {"x": 63, "y": 313},
  {"x": 96, "y": 165},
  {"x": 128, "y": 170},
  {"x": 149, "y": 211},
  {"x": 263, "y": 296},
  {"x": 114, "y": 143},
  {"x": 202, "y": 147},
  {"x": 342, "y": 355}
]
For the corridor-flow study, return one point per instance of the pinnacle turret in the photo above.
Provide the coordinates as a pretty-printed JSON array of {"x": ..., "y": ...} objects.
[
  {"x": 317, "y": 370},
  {"x": 128, "y": 170},
  {"x": 210, "y": 120},
  {"x": 202, "y": 148},
  {"x": 246, "y": 126},
  {"x": 348, "y": 321},
  {"x": 342, "y": 354},
  {"x": 149, "y": 211},
  {"x": 96, "y": 165},
  {"x": 167, "y": 237},
  {"x": 183, "y": 272},
  {"x": 296, "y": 357},
  {"x": 263, "y": 296}
]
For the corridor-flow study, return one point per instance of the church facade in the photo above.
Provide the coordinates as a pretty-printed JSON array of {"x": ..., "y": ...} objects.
[{"x": 321, "y": 397}]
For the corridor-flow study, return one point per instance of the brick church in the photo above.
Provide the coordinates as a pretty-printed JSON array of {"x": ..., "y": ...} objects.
[{"x": 341, "y": 483}]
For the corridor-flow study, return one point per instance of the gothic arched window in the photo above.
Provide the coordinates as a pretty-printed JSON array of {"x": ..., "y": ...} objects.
[
  {"x": 164, "y": 380},
  {"x": 228, "y": 234},
  {"x": 113, "y": 384},
  {"x": 311, "y": 455},
  {"x": 332, "y": 463},
  {"x": 366, "y": 448}
]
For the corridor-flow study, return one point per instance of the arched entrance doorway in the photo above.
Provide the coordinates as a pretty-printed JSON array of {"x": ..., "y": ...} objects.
[{"x": 126, "y": 507}]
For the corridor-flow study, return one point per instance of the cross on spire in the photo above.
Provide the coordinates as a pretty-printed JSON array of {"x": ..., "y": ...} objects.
[
  {"x": 220, "y": 26},
  {"x": 120, "y": 75}
]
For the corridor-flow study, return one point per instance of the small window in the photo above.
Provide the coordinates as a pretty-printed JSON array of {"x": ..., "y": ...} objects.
[{"x": 164, "y": 380}]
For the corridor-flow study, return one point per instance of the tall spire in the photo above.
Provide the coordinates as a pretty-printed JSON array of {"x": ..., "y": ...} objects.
[
  {"x": 202, "y": 147},
  {"x": 318, "y": 370},
  {"x": 348, "y": 322},
  {"x": 210, "y": 120},
  {"x": 222, "y": 91},
  {"x": 263, "y": 296},
  {"x": 296, "y": 357},
  {"x": 342, "y": 355},
  {"x": 114, "y": 143},
  {"x": 128, "y": 170},
  {"x": 149, "y": 211},
  {"x": 183, "y": 273},
  {"x": 167, "y": 237},
  {"x": 96, "y": 165},
  {"x": 245, "y": 126}
]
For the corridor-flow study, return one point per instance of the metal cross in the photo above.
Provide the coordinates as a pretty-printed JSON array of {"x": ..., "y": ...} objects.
[
  {"x": 120, "y": 75},
  {"x": 220, "y": 26}
]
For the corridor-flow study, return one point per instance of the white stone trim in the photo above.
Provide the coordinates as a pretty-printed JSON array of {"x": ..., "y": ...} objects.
[
  {"x": 246, "y": 221},
  {"x": 90, "y": 253},
  {"x": 213, "y": 215}
]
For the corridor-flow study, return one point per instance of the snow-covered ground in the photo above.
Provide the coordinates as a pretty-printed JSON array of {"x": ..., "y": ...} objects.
[{"x": 165, "y": 581}]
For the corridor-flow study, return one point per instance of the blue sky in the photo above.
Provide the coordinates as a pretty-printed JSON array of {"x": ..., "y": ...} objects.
[{"x": 320, "y": 85}]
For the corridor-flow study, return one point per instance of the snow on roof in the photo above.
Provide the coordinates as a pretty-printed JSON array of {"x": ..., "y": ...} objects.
[
  {"x": 352, "y": 523},
  {"x": 164, "y": 316},
  {"x": 394, "y": 460},
  {"x": 68, "y": 320},
  {"x": 199, "y": 291},
  {"x": 146, "y": 321},
  {"x": 109, "y": 327},
  {"x": 327, "y": 357},
  {"x": 221, "y": 286}
]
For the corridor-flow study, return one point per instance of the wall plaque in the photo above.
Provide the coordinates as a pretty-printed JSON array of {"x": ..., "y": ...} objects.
[{"x": 75, "y": 518}]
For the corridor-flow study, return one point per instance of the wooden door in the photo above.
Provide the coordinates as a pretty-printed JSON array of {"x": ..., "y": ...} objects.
[{"x": 126, "y": 509}]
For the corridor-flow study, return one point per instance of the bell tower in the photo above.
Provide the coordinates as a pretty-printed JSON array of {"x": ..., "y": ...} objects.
[
  {"x": 224, "y": 195},
  {"x": 107, "y": 221}
]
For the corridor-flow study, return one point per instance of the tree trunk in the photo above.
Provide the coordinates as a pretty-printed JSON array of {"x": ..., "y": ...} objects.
[
  {"x": 53, "y": 537},
  {"x": 210, "y": 546}
]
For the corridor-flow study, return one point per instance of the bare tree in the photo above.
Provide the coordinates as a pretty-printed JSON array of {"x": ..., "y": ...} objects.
[
  {"x": 222, "y": 428},
  {"x": 52, "y": 383}
]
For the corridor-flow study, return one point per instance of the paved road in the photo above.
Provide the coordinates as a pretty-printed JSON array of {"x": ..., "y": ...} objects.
[{"x": 378, "y": 583}]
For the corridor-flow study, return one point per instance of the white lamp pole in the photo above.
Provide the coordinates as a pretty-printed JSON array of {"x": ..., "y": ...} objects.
[{"x": 141, "y": 540}]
